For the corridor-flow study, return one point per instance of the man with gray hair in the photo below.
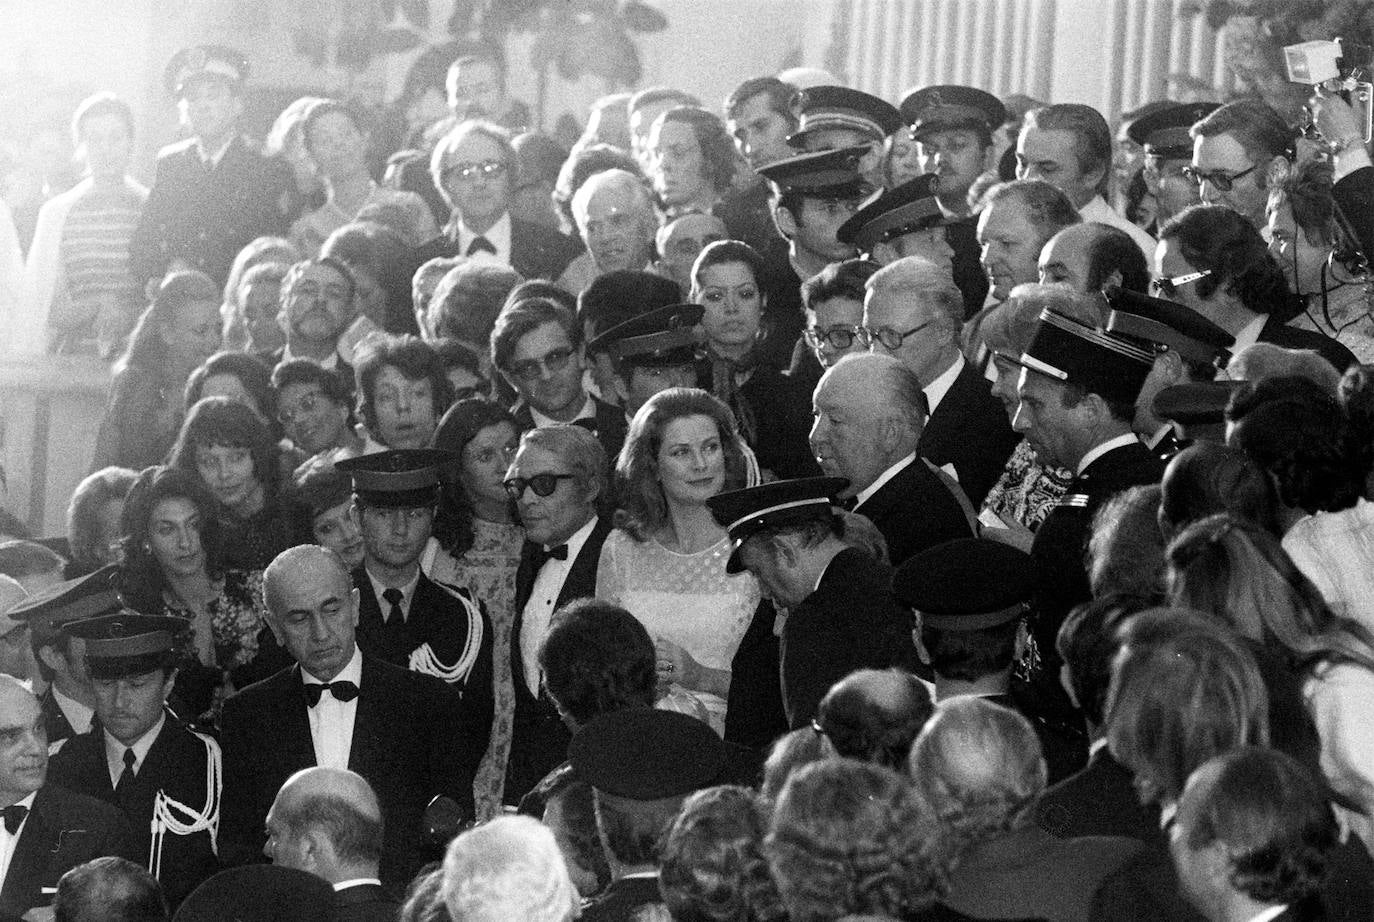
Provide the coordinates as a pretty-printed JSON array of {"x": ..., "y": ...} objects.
[
  {"x": 615, "y": 216},
  {"x": 914, "y": 312},
  {"x": 982, "y": 762},
  {"x": 869, "y": 412},
  {"x": 327, "y": 821},
  {"x": 510, "y": 868}
]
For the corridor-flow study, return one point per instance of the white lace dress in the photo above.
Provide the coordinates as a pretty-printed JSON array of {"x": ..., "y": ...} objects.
[{"x": 687, "y": 599}]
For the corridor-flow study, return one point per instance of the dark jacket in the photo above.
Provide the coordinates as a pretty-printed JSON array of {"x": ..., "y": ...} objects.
[
  {"x": 1100, "y": 800},
  {"x": 624, "y": 900},
  {"x": 969, "y": 430},
  {"x": 365, "y": 903},
  {"x": 409, "y": 742},
  {"x": 54, "y": 721},
  {"x": 609, "y": 425},
  {"x": 1281, "y": 334},
  {"x": 536, "y": 251},
  {"x": 916, "y": 510},
  {"x": 174, "y": 767}
]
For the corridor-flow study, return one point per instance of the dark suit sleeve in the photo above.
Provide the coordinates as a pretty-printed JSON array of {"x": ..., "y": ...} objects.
[
  {"x": 147, "y": 254},
  {"x": 1354, "y": 196},
  {"x": 241, "y": 833},
  {"x": 454, "y": 748}
]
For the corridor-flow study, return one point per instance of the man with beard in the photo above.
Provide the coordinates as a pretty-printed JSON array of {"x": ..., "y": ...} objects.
[{"x": 317, "y": 305}]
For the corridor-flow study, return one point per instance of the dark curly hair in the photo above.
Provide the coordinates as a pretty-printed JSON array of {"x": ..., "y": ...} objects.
[
  {"x": 852, "y": 837},
  {"x": 1087, "y": 643},
  {"x": 1296, "y": 431},
  {"x": 253, "y": 373},
  {"x": 460, "y": 425},
  {"x": 141, "y": 578},
  {"x": 1217, "y": 239},
  {"x": 860, "y": 726},
  {"x": 220, "y": 421},
  {"x": 597, "y": 659},
  {"x": 712, "y": 867},
  {"x": 1207, "y": 478}
]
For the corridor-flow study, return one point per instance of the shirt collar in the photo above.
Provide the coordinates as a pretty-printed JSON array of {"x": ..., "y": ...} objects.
[
  {"x": 214, "y": 157},
  {"x": 1250, "y": 333},
  {"x": 407, "y": 591},
  {"x": 588, "y": 411},
  {"x": 1273, "y": 912},
  {"x": 353, "y": 672},
  {"x": 70, "y": 708},
  {"x": 498, "y": 235},
  {"x": 114, "y": 749},
  {"x": 579, "y": 538},
  {"x": 1121, "y": 441},
  {"x": 937, "y": 389},
  {"x": 356, "y": 882},
  {"x": 867, "y": 493}
]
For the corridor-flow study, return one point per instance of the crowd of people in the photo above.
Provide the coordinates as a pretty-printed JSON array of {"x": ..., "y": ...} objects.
[{"x": 819, "y": 509}]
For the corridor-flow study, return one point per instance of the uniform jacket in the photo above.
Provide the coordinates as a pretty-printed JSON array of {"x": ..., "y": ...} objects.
[
  {"x": 175, "y": 766},
  {"x": 205, "y": 216},
  {"x": 539, "y": 739},
  {"x": 969, "y": 430},
  {"x": 409, "y": 742},
  {"x": 63, "y": 829},
  {"x": 916, "y": 510},
  {"x": 54, "y": 721},
  {"x": 536, "y": 251}
]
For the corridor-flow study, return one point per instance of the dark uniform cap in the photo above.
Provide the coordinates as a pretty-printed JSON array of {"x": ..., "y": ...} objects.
[
  {"x": 615, "y": 297},
  {"x": 823, "y": 174},
  {"x": 891, "y": 213},
  {"x": 204, "y": 61},
  {"x": 965, "y": 585},
  {"x": 667, "y": 336},
  {"x": 938, "y": 108},
  {"x": 1074, "y": 353},
  {"x": 73, "y": 600},
  {"x": 1164, "y": 132},
  {"x": 647, "y": 754},
  {"x": 744, "y": 512},
  {"x": 399, "y": 477},
  {"x": 1196, "y": 403},
  {"x": 822, "y": 107},
  {"x": 126, "y": 634},
  {"x": 260, "y": 893},
  {"x": 1168, "y": 325}
]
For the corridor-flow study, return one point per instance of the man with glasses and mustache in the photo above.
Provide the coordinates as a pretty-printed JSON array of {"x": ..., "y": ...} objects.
[
  {"x": 914, "y": 311},
  {"x": 556, "y": 481},
  {"x": 1239, "y": 150},
  {"x": 537, "y": 346},
  {"x": 474, "y": 166}
]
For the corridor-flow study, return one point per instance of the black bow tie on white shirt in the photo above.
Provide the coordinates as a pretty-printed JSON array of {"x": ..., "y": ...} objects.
[
  {"x": 343, "y": 691},
  {"x": 14, "y": 817},
  {"x": 554, "y": 553}
]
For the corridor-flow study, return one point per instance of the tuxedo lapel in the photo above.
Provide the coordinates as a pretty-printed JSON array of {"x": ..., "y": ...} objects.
[
  {"x": 26, "y": 868},
  {"x": 297, "y": 746},
  {"x": 365, "y": 750},
  {"x": 581, "y": 579}
]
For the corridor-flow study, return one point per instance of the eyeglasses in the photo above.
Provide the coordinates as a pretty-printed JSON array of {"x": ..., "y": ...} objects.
[
  {"x": 1168, "y": 288},
  {"x": 554, "y": 361},
  {"x": 466, "y": 171},
  {"x": 888, "y": 337},
  {"x": 1219, "y": 178},
  {"x": 541, "y": 484},
  {"x": 839, "y": 336}
]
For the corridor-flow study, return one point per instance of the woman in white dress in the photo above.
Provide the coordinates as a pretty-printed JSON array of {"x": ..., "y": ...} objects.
[{"x": 665, "y": 561}]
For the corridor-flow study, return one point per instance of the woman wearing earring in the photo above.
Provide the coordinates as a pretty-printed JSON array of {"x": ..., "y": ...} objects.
[{"x": 773, "y": 411}]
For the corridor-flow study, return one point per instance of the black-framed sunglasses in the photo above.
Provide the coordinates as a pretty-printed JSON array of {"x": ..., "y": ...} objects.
[
  {"x": 888, "y": 337},
  {"x": 1168, "y": 287},
  {"x": 541, "y": 484},
  {"x": 555, "y": 360},
  {"x": 839, "y": 336},
  {"x": 1219, "y": 178}
]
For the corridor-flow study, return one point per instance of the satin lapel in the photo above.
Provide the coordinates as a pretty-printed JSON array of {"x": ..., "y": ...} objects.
[
  {"x": 581, "y": 580},
  {"x": 365, "y": 749},
  {"x": 297, "y": 749}
]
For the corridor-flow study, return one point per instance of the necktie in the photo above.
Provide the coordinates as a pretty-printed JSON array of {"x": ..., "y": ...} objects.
[
  {"x": 554, "y": 553},
  {"x": 395, "y": 615},
  {"x": 126, "y": 777},
  {"x": 343, "y": 691},
  {"x": 480, "y": 244},
  {"x": 14, "y": 817}
]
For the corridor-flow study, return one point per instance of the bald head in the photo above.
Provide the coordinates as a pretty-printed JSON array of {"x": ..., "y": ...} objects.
[
  {"x": 299, "y": 563},
  {"x": 326, "y": 821},
  {"x": 312, "y": 609},
  {"x": 874, "y": 715},
  {"x": 23, "y": 742},
  {"x": 1091, "y": 256}
]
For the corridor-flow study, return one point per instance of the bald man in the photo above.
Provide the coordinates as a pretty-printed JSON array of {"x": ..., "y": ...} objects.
[
  {"x": 47, "y": 830},
  {"x": 327, "y": 821},
  {"x": 1091, "y": 256},
  {"x": 402, "y": 731}
]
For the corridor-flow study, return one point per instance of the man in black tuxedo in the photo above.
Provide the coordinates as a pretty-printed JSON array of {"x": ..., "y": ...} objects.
[
  {"x": 474, "y": 167},
  {"x": 213, "y": 193},
  {"x": 537, "y": 345},
  {"x": 556, "y": 481},
  {"x": 337, "y": 708},
  {"x": 869, "y": 412},
  {"x": 47, "y": 830},
  {"x": 842, "y": 615},
  {"x": 140, "y": 758},
  {"x": 327, "y": 821},
  {"x": 914, "y": 311},
  {"x": 404, "y": 617}
]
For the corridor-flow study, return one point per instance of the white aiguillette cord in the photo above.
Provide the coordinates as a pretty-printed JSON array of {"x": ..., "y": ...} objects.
[{"x": 172, "y": 816}]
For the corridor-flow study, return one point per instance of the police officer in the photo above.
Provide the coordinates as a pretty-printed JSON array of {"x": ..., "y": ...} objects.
[
  {"x": 1163, "y": 135},
  {"x": 836, "y": 117}
]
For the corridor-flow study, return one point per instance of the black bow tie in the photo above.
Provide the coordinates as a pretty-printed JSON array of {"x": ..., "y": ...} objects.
[
  {"x": 554, "y": 553},
  {"x": 479, "y": 244},
  {"x": 342, "y": 691},
  {"x": 14, "y": 817}
]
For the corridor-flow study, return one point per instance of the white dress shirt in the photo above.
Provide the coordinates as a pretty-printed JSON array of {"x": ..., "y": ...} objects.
[
  {"x": 867, "y": 492},
  {"x": 9, "y": 841},
  {"x": 498, "y": 235},
  {"x": 331, "y": 721},
  {"x": 114, "y": 750},
  {"x": 538, "y": 611},
  {"x": 937, "y": 389},
  {"x": 77, "y": 714},
  {"x": 1098, "y": 210},
  {"x": 1121, "y": 441},
  {"x": 407, "y": 594}
]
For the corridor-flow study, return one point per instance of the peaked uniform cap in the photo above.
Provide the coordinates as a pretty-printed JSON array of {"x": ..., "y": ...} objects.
[
  {"x": 890, "y": 213},
  {"x": 668, "y": 335},
  {"x": 1097, "y": 361},
  {"x": 966, "y": 585},
  {"x": 204, "y": 61},
  {"x": 1168, "y": 325},
  {"x": 1164, "y": 132},
  {"x": 939, "y": 108},
  {"x": 742, "y": 513},
  {"x": 823, "y": 107}
]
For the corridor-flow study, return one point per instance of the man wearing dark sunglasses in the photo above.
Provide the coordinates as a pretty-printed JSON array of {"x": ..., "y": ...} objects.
[
  {"x": 1238, "y": 151},
  {"x": 474, "y": 166},
  {"x": 555, "y": 480}
]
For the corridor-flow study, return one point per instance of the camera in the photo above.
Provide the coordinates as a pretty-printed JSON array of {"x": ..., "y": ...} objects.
[{"x": 1325, "y": 64}]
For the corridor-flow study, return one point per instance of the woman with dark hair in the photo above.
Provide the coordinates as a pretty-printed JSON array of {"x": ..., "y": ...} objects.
[
  {"x": 238, "y": 376},
  {"x": 712, "y": 867},
  {"x": 381, "y": 265},
  {"x": 665, "y": 561},
  {"x": 178, "y": 331},
  {"x": 173, "y": 565},
  {"x": 1206, "y": 478},
  {"x": 772, "y": 411},
  {"x": 93, "y": 520},
  {"x": 692, "y": 159},
  {"x": 229, "y": 447},
  {"x": 337, "y": 141},
  {"x": 477, "y": 544}
]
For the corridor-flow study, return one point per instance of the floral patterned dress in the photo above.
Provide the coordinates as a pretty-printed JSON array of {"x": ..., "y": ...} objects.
[
  {"x": 487, "y": 570},
  {"x": 1027, "y": 489}
]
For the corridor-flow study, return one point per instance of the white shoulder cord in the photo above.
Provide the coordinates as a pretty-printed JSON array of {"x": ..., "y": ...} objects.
[
  {"x": 179, "y": 819},
  {"x": 423, "y": 658}
]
